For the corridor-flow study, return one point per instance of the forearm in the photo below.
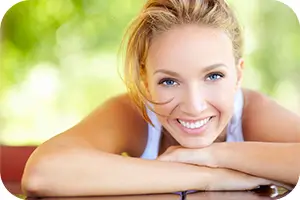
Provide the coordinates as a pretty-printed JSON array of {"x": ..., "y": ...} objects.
[
  {"x": 86, "y": 173},
  {"x": 276, "y": 161}
]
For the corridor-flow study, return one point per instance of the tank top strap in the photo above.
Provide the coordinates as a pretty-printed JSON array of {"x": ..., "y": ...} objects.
[
  {"x": 154, "y": 136},
  {"x": 234, "y": 128}
]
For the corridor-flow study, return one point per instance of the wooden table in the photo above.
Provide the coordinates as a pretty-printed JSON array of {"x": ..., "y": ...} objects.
[
  {"x": 194, "y": 196},
  {"x": 264, "y": 194}
]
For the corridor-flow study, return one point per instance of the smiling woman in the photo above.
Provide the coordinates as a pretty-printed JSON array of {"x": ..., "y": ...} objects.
[{"x": 186, "y": 122}]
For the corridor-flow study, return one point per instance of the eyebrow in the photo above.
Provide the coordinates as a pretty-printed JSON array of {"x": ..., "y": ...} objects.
[{"x": 206, "y": 69}]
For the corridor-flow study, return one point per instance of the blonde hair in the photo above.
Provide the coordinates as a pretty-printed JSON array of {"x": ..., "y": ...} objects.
[{"x": 158, "y": 16}]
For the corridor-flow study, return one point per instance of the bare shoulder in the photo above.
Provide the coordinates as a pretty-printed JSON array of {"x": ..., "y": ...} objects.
[
  {"x": 266, "y": 120},
  {"x": 115, "y": 126}
]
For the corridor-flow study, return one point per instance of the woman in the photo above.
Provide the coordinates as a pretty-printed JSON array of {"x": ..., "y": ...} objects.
[{"x": 198, "y": 129}]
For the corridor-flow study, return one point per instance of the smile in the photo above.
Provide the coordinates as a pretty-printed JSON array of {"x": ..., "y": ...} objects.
[{"x": 194, "y": 124}]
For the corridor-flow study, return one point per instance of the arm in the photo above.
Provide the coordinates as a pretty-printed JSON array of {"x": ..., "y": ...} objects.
[
  {"x": 83, "y": 161},
  {"x": 272, "y": 145},
  {"x": 104, "y": 130},
  {"x": 102, "y": 173},
  {"x": 273, "y": 135},
  {"x": 125, "y": 197},
  {"x": 276, "y": 161}
]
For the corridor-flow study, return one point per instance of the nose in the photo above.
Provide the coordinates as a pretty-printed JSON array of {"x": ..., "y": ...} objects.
[{"x": 193, "y": 101}]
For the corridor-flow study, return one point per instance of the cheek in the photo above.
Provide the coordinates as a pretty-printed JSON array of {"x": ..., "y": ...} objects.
[
  {"x": 165, "y": 110},
  {"x": 161, "y": 95},
  {"x": 225, "y": 104},
  {"x": 221, "y": 97},
  {"x": 162, "y": 112}
]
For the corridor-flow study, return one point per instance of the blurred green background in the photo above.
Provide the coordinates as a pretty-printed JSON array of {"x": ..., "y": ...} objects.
[{"x": 59, "y": 60}]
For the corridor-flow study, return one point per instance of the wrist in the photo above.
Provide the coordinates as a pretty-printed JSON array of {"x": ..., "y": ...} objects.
[
  {"x": 205, "y": 178},
  {"x": 220, "y": 152}
]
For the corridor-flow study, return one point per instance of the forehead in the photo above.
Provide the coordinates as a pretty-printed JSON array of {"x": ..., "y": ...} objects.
[{"x": 190, "y": 45}]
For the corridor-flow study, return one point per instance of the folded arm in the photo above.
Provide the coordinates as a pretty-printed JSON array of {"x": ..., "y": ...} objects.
[
  {"x": 271, "y": 149},
  {"x": 85, "y": 161}
]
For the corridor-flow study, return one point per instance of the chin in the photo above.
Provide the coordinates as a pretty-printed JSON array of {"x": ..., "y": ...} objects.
[
  {"x": 196, "y": 144},
  {"x": 194, "y": 141}
]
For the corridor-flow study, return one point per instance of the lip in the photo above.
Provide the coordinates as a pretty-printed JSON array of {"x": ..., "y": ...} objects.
[
  {"x": 195, "y": 131},
  {"x": 193, "y": 120}
]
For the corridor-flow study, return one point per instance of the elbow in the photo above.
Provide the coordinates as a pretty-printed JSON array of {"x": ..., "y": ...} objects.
[
  {"x": 31, "y": 187},
  {"x": 33, "y": 182},
  {"x": 295, "y": 181}
]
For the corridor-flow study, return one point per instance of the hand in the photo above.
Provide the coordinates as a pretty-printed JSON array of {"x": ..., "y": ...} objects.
[
  {"x": 227, "y": 180},
  {"x": 202, "y": 157},
  {"x": 228, "y": 195}
]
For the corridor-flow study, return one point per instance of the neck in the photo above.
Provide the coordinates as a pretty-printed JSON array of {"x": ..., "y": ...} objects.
[{"x": 166, "y": 141}]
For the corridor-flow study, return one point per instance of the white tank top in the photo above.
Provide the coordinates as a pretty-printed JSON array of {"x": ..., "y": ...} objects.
[{"x": 234, "y": 129}]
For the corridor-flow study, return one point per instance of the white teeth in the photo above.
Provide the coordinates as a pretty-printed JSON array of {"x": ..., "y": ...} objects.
[{"x": 197, "y": 124}]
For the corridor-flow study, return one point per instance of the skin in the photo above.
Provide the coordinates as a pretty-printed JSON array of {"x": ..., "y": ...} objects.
[
  {"x": 177, "y": 70},
  {"x": 195, "y": 67},
  {"x": 198, "y": 161}
]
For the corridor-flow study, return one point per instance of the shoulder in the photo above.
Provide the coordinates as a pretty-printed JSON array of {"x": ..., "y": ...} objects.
[
  {"x": 265, "y": 120},
  {"x": 115, "y": 126},
  {"x": 119, "y": 107},
  {"x": 252, "y": 99}
]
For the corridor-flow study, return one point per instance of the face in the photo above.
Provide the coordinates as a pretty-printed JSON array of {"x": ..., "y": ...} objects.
[{"x": 193, "y": 69}]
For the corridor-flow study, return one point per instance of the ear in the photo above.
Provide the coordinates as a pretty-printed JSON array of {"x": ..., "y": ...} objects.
[{"x": 240, "y": 69}]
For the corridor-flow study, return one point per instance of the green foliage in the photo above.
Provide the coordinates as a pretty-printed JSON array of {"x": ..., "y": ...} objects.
[{"x": 59, "y": 60}]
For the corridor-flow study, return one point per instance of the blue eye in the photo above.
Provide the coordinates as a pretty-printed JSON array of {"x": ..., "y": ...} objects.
[
  {"x": 168, "y": 82},
  {"x": 215, "y": 76}
]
